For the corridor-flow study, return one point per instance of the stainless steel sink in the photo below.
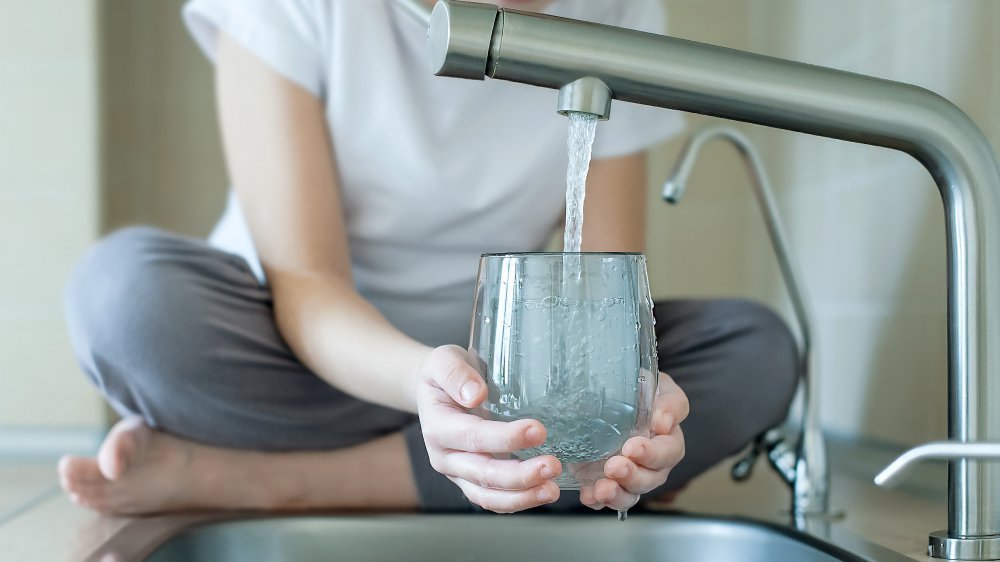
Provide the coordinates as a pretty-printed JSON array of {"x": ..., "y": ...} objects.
[{"x": 486, "y": 538}]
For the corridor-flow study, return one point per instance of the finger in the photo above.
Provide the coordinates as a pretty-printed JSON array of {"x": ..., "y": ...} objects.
[
  {"x": 458, "y": 379},
  {"x": 662, "y": 452},
  {"x": 663, "y": 423},
  {"x": 632, "y": 477},
  {"x": 612, "y": 495},
  {"x": 587, "y": 498},
  {"x": 670, "y": 398},
  {"x": 469, "y": 433},
  {"x": 487, "y": 472},
  {"x": 508, "y": 501}
]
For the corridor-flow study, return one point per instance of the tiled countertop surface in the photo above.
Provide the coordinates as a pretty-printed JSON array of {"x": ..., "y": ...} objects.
[{"x": 38, "y": 523}]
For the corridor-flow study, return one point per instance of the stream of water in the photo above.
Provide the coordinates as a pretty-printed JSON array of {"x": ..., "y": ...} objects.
[{"x": 582, "y": 132}]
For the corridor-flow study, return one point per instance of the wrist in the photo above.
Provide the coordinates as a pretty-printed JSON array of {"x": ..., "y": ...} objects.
[{"x": 413, "y": 370}]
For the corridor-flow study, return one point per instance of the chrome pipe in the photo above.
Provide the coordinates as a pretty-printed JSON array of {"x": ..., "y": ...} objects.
[
  {"x": 806, "y": 470},
  {"x": 673, "y": 73}
]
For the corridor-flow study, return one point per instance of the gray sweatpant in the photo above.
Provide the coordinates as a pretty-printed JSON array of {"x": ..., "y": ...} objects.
[{"x": 183, "y": 335}]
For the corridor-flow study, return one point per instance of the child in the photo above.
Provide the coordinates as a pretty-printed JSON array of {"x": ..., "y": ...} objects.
[{"x": 310, "y": 354}]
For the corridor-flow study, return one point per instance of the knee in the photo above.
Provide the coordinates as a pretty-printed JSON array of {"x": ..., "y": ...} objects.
[
  {"x": 101, "y": 286},
  {"x": 117, "y": 299},
  {"x": 766, "y": 358}
]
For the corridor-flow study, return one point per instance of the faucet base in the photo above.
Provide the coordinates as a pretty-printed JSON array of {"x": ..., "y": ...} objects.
[{"x": 940, "y": 545}]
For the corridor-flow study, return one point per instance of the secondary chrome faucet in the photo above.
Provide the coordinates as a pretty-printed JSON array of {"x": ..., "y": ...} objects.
[
  {"x": 801, "y": 463},
  {"x": 590, "y": 63}
]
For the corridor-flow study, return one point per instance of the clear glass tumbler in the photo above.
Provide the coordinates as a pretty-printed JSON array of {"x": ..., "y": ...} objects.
[{"x": 567, "y": 339}]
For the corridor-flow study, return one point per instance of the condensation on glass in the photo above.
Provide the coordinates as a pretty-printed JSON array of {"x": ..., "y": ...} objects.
[{"x": 567, "y": 339}]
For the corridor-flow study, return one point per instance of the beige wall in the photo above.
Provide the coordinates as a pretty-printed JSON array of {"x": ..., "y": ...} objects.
[
  {"x": 48, "y": 203},
  {"x": 700, "y": 248},
  {"x": 161, "y": 154}
]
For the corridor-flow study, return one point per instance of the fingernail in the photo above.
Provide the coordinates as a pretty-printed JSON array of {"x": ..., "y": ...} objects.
[
  {"x": 546, "y": 494},
  {"x": 547, "y": 472},
  {"x": 470, "y": 390},
  {"x": 533, "y": 433}
]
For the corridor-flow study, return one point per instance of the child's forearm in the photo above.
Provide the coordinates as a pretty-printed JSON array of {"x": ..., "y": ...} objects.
[{"x": 344, "y": 339}]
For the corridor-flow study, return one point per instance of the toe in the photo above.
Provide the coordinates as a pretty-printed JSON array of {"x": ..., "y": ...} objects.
[
  {"x": 78, "y": 472},
  {"x": 92, "y": 496},
  {"x": 122, "y": 445}
]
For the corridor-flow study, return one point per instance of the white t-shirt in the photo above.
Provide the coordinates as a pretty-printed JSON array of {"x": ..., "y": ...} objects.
[{"x": 433, "y": 171}]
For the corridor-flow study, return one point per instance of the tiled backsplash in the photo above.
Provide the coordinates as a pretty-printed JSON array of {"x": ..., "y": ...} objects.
[{"x": 866, "y": 223}]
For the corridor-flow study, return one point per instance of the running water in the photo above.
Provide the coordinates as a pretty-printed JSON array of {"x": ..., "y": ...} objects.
[{"x": 582, "y": 130}]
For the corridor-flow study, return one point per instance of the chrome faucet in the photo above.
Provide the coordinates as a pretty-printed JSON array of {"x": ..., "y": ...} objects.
[
  {"x": 474, "y": 40},
  {"x": 801, "y": 463}
]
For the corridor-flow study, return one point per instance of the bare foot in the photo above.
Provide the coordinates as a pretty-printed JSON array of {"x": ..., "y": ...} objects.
[{"x": 139, "y": 470}]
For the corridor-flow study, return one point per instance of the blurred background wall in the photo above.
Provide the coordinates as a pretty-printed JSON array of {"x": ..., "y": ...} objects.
[
  {"x": 49, "y": 212},
  {"x": 107, "y": 119}
]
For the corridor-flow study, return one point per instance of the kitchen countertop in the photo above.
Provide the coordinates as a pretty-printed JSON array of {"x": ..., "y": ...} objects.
[{"x": 39, "y": 524}]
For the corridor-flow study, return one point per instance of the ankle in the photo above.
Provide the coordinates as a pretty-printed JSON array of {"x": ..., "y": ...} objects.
[{"x": 263, "y": 481}]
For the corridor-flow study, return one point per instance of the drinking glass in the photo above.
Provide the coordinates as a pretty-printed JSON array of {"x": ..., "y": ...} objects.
[{"x": 567, "y": 339}]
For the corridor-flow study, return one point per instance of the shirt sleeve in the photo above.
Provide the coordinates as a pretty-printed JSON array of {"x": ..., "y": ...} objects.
[
  {"x": 632, "y": 127},
  {"x": 284, "y": 34}
]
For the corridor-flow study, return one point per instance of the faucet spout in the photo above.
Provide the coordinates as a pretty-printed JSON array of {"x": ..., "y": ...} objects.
[
  {"x": 474, "y": 40},
  {"x": 586, "y": 95}
]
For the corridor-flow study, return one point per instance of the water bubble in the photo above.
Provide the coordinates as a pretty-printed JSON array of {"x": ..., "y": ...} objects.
[{"x": 487, "y": 320}]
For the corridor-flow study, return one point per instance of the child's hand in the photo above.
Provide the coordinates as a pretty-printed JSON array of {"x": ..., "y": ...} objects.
[
  {"x": 645, "y": 462},
  {"x": 459, "y": 444}
]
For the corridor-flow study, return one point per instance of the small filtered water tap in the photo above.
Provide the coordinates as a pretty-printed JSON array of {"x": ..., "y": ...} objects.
[{"x": 801, "y": 463}]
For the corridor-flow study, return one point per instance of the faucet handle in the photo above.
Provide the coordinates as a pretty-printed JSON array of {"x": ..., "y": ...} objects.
[
  {"x": 941, "y": 450},
  {"x": 764, "y": 443}
]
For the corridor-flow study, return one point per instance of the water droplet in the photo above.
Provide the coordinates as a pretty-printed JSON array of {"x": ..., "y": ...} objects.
[{"x": 487, "y": 320}]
